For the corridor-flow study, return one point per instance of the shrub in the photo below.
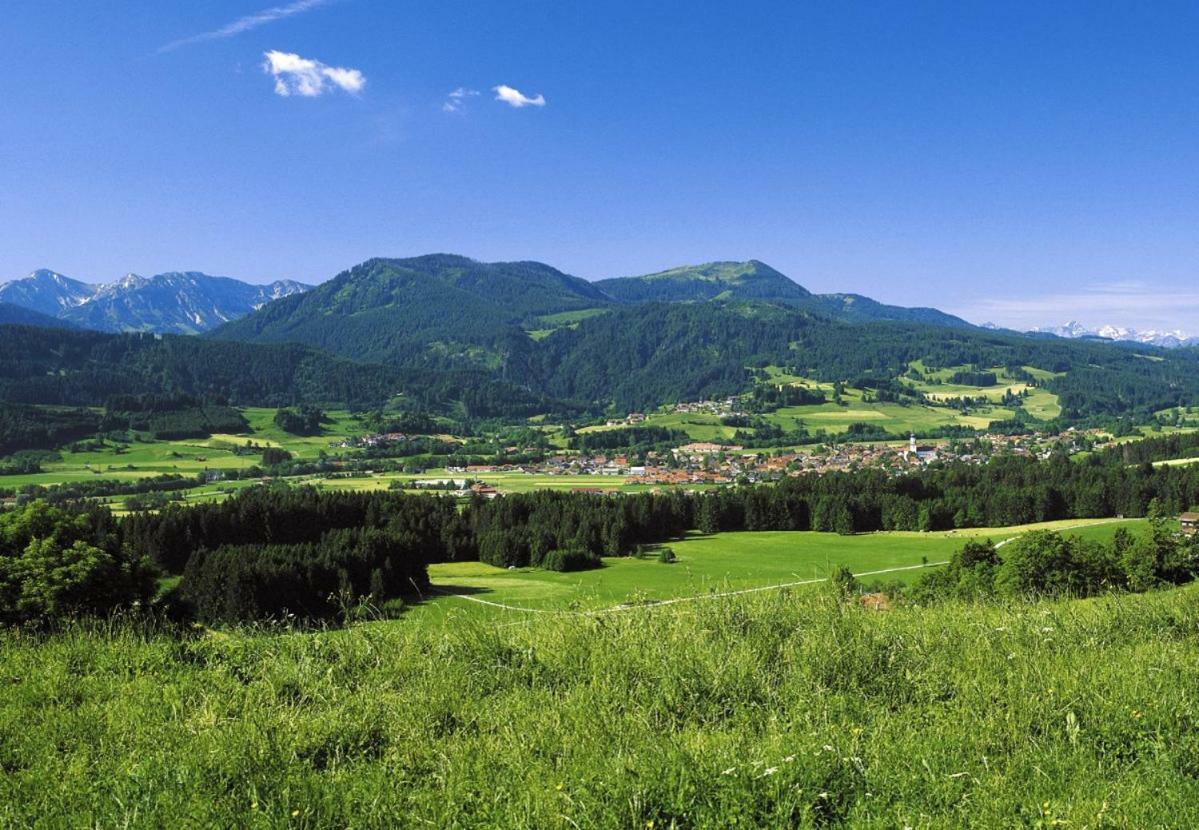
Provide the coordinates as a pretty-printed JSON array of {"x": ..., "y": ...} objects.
[
  {"x": 570, "y": 559},
  {"x": 57, "y": 563},
  {"x": 275, "y": 455},
  {"x": 666, "y": 556}
]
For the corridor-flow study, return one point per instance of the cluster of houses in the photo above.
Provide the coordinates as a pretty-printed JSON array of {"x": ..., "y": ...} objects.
[
  {"x": 726, "y": 408},
  {"x": 382, "y": 439},
  {"x": 707, "y": 462}
]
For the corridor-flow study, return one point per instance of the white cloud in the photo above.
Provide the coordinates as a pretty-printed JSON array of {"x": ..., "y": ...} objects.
[
  {"x": 516, "y": 98},
  {"x": 309, "y": 78},
  {"x": 457, "y": 98},
  {"x": 250, "y": 21}
]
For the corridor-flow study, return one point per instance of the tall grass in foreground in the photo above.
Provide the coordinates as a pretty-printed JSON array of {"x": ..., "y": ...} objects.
[{"x": 773, "y": 710}]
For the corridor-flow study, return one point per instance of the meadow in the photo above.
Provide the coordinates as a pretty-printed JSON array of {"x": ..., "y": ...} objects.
[
  {"x": 1040, "y": 402},
  {"x": 189, "y": 456},
  {"x": 778, "y": 709},
  {"x": 857, "y": 407},
  {"x": 710, "y": 564}
]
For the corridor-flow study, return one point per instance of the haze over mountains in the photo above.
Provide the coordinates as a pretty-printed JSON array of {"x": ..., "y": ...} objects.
[{"x": 176, "y": 302}]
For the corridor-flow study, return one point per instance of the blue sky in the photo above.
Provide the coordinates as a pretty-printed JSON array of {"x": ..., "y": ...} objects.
[{"x": 1018, "y": 162}]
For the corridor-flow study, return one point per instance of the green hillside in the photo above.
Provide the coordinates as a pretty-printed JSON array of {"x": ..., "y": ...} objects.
[
  {"x": 752, "y": 280},
  {"x": 429, "y": 308},
  {"x": 783, "y": 709}
]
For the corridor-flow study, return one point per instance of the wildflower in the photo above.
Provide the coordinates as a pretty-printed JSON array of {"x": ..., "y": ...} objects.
[
  {"x": 769, "y": 771},
  {"x": 729, "y": 771}
]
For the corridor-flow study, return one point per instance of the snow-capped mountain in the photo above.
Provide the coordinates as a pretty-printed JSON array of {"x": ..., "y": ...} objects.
[
  {"x": 46, "y": 292},
  {"x": 1150, "y": 337},
  {"x": 177, "y": 302}
]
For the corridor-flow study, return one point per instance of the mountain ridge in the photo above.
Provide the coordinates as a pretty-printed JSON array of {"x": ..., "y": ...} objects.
[
  {"x": 176, "y": 302},
  {"x": 1151, "y": 337},
  {"x": 755, "y": 280}
]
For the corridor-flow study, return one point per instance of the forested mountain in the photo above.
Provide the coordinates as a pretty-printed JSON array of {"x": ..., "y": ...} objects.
[
  {"x": 754, "y": 280},
  {"x": 679, "y": 335},
  {"x": 11, "y": 314},
  {"x": 449, "y": 311},
  {"x": 446, "y": 332},
  {"x": 854, "y": 308},
  {"x": 440, "y": 308},
  {"x": 751, "y": 280},
  {"x": 83, "y": 368},
  {"x": 643, "y": 355},
  {"x": 176, "y": 302}
]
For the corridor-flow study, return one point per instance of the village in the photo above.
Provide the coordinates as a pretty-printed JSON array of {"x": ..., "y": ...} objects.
[{"x": 715, "y": 464}]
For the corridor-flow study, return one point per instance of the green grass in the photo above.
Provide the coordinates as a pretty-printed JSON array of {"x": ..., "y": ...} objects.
[
  {"x": 1040, "y": 403},
  {"x": 785, "y": 709},
  {"x": 144, "y": 459},
  {"x": 550, "y": 323},
  {"x": 711, "y": 564},
  {"x": 896, "y": 418}
]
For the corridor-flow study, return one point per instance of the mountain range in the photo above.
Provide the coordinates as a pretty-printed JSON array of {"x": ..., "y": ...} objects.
[
  {"x": 451, "y": 310},
  {"x": 1163, "y": 339},
  {"x": 422, "y": 296},
  {"x": 176, "y": 302},
  {"x": 517, "y": 338}
]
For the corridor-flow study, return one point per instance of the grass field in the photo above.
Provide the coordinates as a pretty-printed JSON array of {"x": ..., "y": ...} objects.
[
  {"x": 127, "y": 462},
  {"x": 1040, "y": 403},
  {"x": 832, "y": 418},
  {"x": 710, "y": 564},
  {"x": 780, "y": 709}
]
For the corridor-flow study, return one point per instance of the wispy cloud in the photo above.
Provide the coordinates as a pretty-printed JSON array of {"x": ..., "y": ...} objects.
[
  {"x": 1127, "y": 303},
  {"x": 457, "y": 99},
  {"x": 515, "y": 98},
  {"x": 309, "y": 78},
  {"x": 250, "y": 21}
]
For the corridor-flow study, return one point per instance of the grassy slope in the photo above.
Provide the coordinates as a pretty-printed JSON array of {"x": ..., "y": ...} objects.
[
  {"x": 830, "y": 417},
  {"x": 1040, "y": 403},
  {"x": 775, "y": 710}
]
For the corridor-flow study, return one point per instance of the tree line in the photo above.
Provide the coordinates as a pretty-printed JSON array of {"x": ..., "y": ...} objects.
[{"x": 275, "y": 550}]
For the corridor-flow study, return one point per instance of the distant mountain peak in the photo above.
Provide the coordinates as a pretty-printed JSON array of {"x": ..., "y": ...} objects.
[
  {"x": 1149, "y": 337},
  {"x": 181, "y": 302}
]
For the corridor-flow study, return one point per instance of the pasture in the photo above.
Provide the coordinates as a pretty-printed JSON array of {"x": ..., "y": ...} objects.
[
  {"x": 136, "y": 459},
  {"x": 717, "y": 563},
  {"x": 777, "y": 709}
]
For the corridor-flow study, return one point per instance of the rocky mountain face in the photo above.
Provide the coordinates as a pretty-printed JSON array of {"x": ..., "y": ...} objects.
[{"x": 176, "y": 302}]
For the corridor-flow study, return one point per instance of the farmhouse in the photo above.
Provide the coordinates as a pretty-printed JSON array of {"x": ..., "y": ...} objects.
[{"x": 1190, "y": 523}]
